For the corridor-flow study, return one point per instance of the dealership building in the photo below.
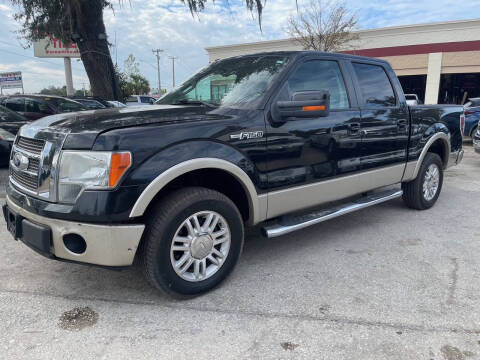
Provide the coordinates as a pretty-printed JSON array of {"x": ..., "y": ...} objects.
[{"x": 440, "y": 62}]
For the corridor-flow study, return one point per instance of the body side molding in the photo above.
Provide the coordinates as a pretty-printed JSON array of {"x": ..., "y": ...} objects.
[
  {"x": 413, "y": 167},
  {"x": 301, "y": 197},
  {"x": 257, "y": 204}
]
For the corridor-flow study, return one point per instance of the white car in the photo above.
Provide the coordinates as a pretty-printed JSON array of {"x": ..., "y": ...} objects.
[
  {"x": 412, "y": 99},
  {"x": 136, "y": 100}
]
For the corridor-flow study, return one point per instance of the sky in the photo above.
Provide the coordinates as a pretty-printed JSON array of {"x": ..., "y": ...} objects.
[{"x": 142, "y": 25}]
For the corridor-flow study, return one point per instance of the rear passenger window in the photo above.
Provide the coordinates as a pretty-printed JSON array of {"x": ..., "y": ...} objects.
[
  {"x": 376, "y": 89},
  {"x": 321, "y": 75}
]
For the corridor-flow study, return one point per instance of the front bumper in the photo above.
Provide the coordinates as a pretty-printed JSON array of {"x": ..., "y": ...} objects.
[
  {"x": 106, "y": 245},
  {"x": 476, "y": 142}
]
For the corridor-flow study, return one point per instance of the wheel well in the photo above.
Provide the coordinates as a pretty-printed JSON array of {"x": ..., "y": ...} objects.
[
  {"x": 440, "y": 148},
  {"x": 472, "y": 132},
  {"x": 214, "y": 179}
]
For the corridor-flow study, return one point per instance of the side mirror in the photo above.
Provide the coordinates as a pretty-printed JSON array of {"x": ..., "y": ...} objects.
[{"x": 306, "y": 104}]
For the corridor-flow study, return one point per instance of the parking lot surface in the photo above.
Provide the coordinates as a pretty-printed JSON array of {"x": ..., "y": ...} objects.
[{"x": 383, "y": 283}]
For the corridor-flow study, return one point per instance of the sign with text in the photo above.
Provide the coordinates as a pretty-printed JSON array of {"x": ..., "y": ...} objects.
[
  {"x": 54, "y": 48},
  {"x": 11, "y": 80}
]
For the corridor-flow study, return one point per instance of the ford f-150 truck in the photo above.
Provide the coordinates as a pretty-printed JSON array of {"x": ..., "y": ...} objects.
[{"x": 285, "y": 140}]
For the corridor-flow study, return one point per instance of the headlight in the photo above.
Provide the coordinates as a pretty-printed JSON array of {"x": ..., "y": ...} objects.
[{"x": 80, "y": 170}]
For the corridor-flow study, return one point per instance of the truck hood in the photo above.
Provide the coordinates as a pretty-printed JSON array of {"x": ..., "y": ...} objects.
[{"x": 80, "y": 129}]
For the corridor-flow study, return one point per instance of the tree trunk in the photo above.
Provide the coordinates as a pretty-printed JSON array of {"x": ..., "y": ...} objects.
[{"x": 93, "y": 46}]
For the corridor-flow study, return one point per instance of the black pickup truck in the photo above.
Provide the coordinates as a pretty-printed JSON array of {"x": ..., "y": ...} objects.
[{"x": 294, "y": 138}]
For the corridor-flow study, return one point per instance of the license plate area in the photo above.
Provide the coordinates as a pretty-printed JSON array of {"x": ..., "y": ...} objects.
[{"x": 14, "y": 222}]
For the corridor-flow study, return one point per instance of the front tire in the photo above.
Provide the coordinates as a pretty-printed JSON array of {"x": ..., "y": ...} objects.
[
  {"x": 423, "y": 192},
  {"x": 192, "y": 242}
]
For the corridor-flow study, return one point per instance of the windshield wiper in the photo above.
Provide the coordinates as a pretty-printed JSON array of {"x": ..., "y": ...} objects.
[{"x": 194, "y": 102}]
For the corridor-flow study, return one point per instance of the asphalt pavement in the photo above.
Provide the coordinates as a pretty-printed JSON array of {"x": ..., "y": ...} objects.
[{"x": 383, "y": 283}]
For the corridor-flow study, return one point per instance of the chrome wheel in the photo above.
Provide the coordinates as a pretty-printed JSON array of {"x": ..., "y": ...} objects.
[
  {"x": 200, "y": 246},
  {"x": 430, "y": 182}
]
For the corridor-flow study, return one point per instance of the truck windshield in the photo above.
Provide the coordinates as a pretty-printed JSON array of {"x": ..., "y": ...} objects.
[{"x": 230, "y": 82}]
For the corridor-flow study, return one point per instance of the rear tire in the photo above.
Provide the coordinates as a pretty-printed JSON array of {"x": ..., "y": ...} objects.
[
  {"x": 423, "y": 192},
  {"x": 192, "y": 241}
]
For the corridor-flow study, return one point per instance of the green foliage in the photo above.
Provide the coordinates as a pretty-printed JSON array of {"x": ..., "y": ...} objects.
[
  {"x": 53, "y": 90},
  {"x": 131, "y": 82},
  {"x": 137, "y": 85},
  {"x": 196, "y": 6},
  {"x": 81, "y": 93},
  {"x": 40, "y": 18}
]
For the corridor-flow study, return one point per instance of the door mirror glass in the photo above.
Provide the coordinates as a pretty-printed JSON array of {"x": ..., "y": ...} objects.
[{"x": 305, "y": 104}]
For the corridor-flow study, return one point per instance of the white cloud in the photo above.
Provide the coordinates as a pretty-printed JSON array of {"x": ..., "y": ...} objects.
[{"x": 142, "y": 25}]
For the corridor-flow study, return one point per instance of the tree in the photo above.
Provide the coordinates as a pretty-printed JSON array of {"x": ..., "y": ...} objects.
[
  {"x": 52, "y": 90},
  {"x": 82, "y": 22},
  {"x": 130, "y": 80},
  {"x": 131, "y": 66},
  {"x": 137, "y": 85},
  {"x": 323, "y": 26}
]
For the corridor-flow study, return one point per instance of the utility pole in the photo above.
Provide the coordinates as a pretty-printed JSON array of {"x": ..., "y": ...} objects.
[
  {"x": 173, "y": 69},
  {"x": 68, "y": 75},
  {"x": 157, "y": 53}
]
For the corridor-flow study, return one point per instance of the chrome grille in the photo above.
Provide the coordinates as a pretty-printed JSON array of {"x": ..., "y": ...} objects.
[
  {"x": 33, "y": 146},
  {"x": 26, "y": 180},
  {"x": 33, "y": 165}
]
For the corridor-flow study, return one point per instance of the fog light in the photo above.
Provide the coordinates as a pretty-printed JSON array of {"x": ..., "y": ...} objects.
[{"x": 75, "y": 243}]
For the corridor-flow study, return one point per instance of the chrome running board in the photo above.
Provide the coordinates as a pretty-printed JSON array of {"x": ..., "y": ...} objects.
[{"x": 292, "y": 223}]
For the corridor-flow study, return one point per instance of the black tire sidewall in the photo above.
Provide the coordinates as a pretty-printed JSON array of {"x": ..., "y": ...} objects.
[
  {"x": 163, "y": 271},
  {"x": 474, "y": 130},
  {"x": 429, "y": 160}
]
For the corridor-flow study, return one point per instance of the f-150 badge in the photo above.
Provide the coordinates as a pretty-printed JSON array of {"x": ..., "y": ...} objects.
[{"x": 244, "y": 135}]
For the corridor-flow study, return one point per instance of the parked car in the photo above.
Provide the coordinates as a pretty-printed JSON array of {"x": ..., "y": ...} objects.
[
  {"x": 136, "y": 100},
  {"x": 412, "y": 99},
  {"x": 116, "y": 103},
  {"x": 91, "y": 104},
  {"x": 104, "y": 102},
  {"x": 10, "y": 122},
  {"x": 476, "y": 139},
  {"x": 113, "y": 187},
  {"x": 472, "y": 116},
  {"x": 34, "y": 107}
]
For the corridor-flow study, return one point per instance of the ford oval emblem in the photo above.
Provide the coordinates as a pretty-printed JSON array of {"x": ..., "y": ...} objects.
[{"x": 20, "y": 161}]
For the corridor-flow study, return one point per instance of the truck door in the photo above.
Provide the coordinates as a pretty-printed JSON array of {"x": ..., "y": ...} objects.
[
  {"x": 308, "y": 150},
  {"x": 384, "y": 125}
]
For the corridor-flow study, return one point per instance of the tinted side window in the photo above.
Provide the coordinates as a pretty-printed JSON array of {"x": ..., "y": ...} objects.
[
  {"x": 375, "y": 87},
  {"x": 32, "y": 105},
  {"x": 145, "y": 99},
  {"x": 321, "y": 75},
  {"x": 132, "y": 99},
  {"x": 15, "y": 104}
]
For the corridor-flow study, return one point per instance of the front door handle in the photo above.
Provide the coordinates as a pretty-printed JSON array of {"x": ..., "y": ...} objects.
[{"x": 354, "y": 128}]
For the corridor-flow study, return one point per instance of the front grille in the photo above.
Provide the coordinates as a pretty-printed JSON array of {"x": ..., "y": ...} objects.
[
  {"x": 33, "y": 165},
  {"x": 33, "y": 146},
  {"x": 26, "y": 180}
]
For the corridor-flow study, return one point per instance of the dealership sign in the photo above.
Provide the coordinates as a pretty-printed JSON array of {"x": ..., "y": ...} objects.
[
  {"x": 54, "y": 48},
  {"x": 11, "y": 80}
]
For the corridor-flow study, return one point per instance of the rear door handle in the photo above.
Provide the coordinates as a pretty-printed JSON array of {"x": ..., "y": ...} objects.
[{"x": 402, "y": 123}]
